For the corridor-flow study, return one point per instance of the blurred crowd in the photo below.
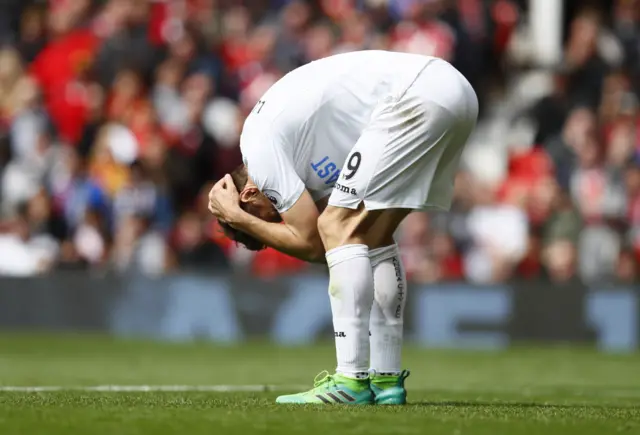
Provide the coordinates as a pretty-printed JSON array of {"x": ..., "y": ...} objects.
[
  {"x": 557, "y": 197},
  {"x": 117, "y": 115}
]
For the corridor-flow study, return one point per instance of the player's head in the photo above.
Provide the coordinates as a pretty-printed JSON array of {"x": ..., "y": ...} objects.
[{"x": 253, "y": 202}]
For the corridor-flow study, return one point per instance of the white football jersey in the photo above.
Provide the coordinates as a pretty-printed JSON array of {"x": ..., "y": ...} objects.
[{"x": 301, "y": 131}]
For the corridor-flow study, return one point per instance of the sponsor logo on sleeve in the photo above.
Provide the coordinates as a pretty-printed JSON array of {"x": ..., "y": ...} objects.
[
  {"x": 345, "y": 189},
  {"x": 274, "y": 197}
]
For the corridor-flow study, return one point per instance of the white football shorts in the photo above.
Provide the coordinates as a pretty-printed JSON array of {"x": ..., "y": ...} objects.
[{"x": 408, "y": 155}]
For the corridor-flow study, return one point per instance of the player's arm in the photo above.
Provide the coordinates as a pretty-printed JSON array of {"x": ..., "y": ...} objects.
[
  {"x": 300, "y": 223},
  {"x": 296, "y": 236},
  {"x": 322, "y": 203}
]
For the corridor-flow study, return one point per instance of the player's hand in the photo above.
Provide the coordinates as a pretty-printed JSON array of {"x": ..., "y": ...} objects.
[{"x": 224, "y": 199}]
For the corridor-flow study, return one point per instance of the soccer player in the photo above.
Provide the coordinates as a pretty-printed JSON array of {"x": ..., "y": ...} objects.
[{"x": 379, "y": 134}]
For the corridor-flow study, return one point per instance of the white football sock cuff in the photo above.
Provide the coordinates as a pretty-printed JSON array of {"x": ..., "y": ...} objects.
[
  {"x": 343, "y": 253},
  {"x": 378, "y": 255}
]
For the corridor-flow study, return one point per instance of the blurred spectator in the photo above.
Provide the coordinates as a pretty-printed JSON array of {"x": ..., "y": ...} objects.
[
  {"x": 632, "y": 184},
  {"x": 530, "y": 266},
  {"x": 551, "y": 111},
  {"x": 95, "y": 118},
  {"x": 579, "y": 128},
  {"x": 89, "y": 244},
  {"x": 35, "y": 154},
  {"x": 293, "y": 21},
  {"x": 592, "y": 187},
  {"x": 413, "y": 241},
  {"x": 584, "y": 63},
  {"x": 138, "y": 248},
  {"x": 76, "y": 192},
  {"x": 559, "y": 259},
  {"x": 192, "y": 246},
  {"x": 564, "y": 223},
  {"x": 600, "y": 247},
  {"x": 166, "y": 93},
  {"x": 140, "y": 196},
  {"x": 42, "y": 219},
  {"x": 626, "y": 26},
  {"x": 32, "y": 37},
  {"x": 23, "y": 250},
  {"x": 627, "y": 268},
  {"x": 124, "y": 26},
  {"x": 499, "y": 233},
  {"x": 421, "y": 29},
  {"x": 448, "y": 261}
]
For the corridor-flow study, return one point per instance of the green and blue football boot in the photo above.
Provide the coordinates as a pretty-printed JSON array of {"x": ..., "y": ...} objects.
[
  {"x": 331, "y": 389},
  {"x": 389, "y": 389}
]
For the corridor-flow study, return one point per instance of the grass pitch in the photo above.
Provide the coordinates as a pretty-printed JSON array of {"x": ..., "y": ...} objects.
[{"x": 520, "y": 391}]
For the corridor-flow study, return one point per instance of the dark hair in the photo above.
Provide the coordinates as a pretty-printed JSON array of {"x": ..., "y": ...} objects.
[{"x": 240, "y": 177}]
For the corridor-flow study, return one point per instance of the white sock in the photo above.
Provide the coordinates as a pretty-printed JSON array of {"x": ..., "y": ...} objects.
[
  {"x": 351, "y": 295},
  {"x": 387, "y": 314}
]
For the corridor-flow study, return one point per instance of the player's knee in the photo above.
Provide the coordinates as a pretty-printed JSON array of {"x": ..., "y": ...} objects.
[
  {"x": 334, "y": 227},
  {"x": 339, "y": 226}
]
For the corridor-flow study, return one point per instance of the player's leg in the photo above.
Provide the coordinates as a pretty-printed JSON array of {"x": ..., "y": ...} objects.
[
  {"x": 346, "y": 233},
  {"x": 370, "y": 308},
  {"x": 345, "y": 227},
  {"x": 351, "y": 296},
  {"x": 390, "y": 296},
  {"x": 386, "y": 326},
  {"x": 387, "y": 319},
  {"x": 387, "y": 313},
  {"x": 351, "y": 293},
  {"x": 405, "y": 161}
]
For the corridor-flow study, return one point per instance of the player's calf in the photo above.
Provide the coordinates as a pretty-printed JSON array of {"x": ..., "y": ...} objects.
[
  {"x": 387, "y": 314},
  {"x": 386, "y": 327}
]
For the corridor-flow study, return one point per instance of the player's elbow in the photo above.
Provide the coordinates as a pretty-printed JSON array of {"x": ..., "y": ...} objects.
[
  {"x": 317, "y": 257},
  {"x": 315, "y": 252}
]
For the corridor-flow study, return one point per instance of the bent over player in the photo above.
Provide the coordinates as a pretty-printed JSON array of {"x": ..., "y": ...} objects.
[{"x": 380, "y": 134}]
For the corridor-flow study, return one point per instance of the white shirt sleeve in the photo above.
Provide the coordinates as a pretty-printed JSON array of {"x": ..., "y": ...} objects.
[{"x": 273, "y": 172}]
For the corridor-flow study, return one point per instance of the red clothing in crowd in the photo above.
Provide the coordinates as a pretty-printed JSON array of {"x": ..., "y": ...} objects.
[
  {"x": 452, "y": 268},
  {"x": 57, "y": 69},
  {"x": 270, "y": 263}
]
